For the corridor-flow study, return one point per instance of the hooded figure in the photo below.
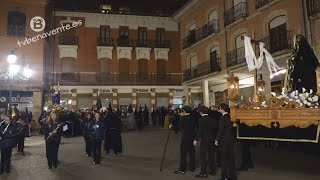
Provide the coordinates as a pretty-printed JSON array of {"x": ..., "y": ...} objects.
[
  {"x": 146, "y": 116},
  {"x": 140, "y": 122},
  {"x": 106, "y": 141},
  {"x": 113, "y": 133},
  {"x": 130, "y": 118}
]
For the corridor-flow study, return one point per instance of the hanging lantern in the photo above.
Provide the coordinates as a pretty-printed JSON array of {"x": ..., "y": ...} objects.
[
  {"x": 318, "y": 80},
  {"x": 233, "y": 87}
]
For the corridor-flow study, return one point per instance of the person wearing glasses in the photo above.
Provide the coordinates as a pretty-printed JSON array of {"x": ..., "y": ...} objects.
[{"x": 224, "y": 141}]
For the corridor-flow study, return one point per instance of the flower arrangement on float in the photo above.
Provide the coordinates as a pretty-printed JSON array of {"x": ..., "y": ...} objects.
[{"x": 293, "y": 99}]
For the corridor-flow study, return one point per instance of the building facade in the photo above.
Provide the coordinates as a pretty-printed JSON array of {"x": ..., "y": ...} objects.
[
  {"x": 123, "y": 59},
  {"x": 212, "y": 41},
  {"x": 15, "y": 31}
]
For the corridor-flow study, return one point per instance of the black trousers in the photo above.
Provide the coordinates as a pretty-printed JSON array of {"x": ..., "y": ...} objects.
[
  {"x": 246, "y": 160},
  {"x": 21, "y": 143},
  {"x": 227, "y": 161},
  {"x": 185, "y": 149},
  {"x": 207, "y": 156},
  {"x": 6, "y": 158},
  {"x": 88, "y": 145},
  {"x": 52, "y": 149},
  {"x": 96, "y": 149}
]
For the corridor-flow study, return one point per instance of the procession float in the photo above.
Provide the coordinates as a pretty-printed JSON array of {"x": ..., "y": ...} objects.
[{"x": 293, "y": 115}]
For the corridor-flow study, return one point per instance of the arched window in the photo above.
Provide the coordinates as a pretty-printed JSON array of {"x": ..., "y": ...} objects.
[
  {"x": 124, "y": 69},
  {"x": 239, "y": 53},
  {"x": 213, "y": 21},
  {"x": 143, "y": 69},
  {"x": 278, "y": 34},
  {"x": 193, "y": 65},
  {"x": 16, "y": 23},
  {"x": 215, "y": 59}
]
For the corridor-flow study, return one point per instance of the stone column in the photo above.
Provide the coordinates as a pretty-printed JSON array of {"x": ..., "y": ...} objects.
[
  {"x": 171, "y": 97},
  {"x": 187, "y": 95},
  {"x": 74, "y": 99},
  {"x": 37, "y": 103},
  {"x": 94, "y": 98},
  {"x": 205, "y": 91},
  {"x": 134, "y": 99},
  {"x": 153, "y": 97},
  {"x": 114, "y": 98}
]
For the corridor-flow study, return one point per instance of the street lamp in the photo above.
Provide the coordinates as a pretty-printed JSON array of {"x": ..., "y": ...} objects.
[{"x": 15, "y": 74}]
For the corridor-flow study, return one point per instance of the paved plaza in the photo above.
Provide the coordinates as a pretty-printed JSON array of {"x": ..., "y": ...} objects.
[{"x": 141, "y": 160}]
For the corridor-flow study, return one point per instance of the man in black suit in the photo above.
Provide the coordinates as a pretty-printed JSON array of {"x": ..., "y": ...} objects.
[
  {"x": 224, "y": 141},
  {"x": 188, "y": 126},
  {"x": 207, "y": 132}
]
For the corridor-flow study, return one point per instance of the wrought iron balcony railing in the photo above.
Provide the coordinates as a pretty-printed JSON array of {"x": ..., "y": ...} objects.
[
  {"x": 235, "y": 13},
  {"x": 236, "y": 57},
  {"x": 278, "y": 41},
  {"x": 261, "y": 3},
  {"x": 313, "y": 7},
  {"x": 161, "y": 44},
  {"x": 103, "y": 41},
  {"x": 124, "y": 42},
  {"x": 202, "y": 69},
  {"x": 144, "y": 43},
  {"x": 68, "y": 40},
  {"x": 107, "y": 78},
  {"x": 201, "y": 33}
]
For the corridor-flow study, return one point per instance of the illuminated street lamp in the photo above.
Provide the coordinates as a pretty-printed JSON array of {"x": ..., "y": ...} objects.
[{"x": 14, "y": 73}]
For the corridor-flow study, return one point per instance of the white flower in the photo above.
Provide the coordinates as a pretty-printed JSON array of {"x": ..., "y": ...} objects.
[
  {"x": 298, "y": 101},
  {"x": 300, "y": 104},
  {"x": 297, "y": 92},
  {"x": 308, "y": 103},
  {"x": 310, "y": 99},
  {"x": 307, "y": 94},
  {"x": 293, "y": 94},
  {"x": 303, "y": 90},
  {"x": 315, "y": 98},
  {"x": 311, "y": 91},
  {"x": 304, "y": 102},
  {"x": 273, "y": 94},
  {"x": 316, "y": 107}
]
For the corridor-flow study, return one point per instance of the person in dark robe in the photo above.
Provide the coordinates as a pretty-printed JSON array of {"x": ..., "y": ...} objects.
[
  {"x": 86, "y": 125},
  {"x": 224, "y": 141},
  {"x": 106, "y": 134},
  {"x": 176, "y": 120},
  {"x": 145, "y": 115},
  {"x": 140, "y": 123},
  {"x": 23, "y": 131},
  {"x": 114, "y": 134},
  {"x": 154, "y": 117}
]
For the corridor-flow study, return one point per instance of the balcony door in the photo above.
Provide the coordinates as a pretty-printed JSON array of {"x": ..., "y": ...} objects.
[
  {"x": 192, "y": 34},
  {"x": 193, "y": 66},
  {"x": 68, "y": 69},
  {"x": 160, "y": 37},
  {"x": 214, "y": 59},
  {"x": 105, "y": 35},
  {"x": 142, "y": 36},
  {"x": 143, "y": 69},
  {"x": 124, "y": 36},
  {"x": 124, "y": 69},
  {"x": 161, "y": 69},
  {"x": 278, "y": 34}
]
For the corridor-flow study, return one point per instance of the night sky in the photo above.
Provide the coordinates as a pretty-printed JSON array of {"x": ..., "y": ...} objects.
[{"x": 164, "y": 7}]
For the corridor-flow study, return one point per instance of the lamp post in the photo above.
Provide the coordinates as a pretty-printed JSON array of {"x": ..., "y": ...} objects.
[{"x": 14, "y": 72}]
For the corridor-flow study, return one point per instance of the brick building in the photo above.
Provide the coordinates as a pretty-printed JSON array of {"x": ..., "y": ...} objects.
[
  {"x": 212, "y": 46},
  {"x": 15, "y": 19},
  {"x": 126, "y": 59}
]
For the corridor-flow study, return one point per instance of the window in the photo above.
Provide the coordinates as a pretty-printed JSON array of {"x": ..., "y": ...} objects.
[
  {"x": 124, "y": 69},
  {"x": 105, "y": 35},
  {"x": 142, "y": 36},
  {"x": 193, "y": 62},
  {"x": 278, "y": 34},
  {"x": 104, "y": 65},
  {"x": 239, "y": 53},
  {"x": 143, "y": 69},
  {"x": 68, "y": 69},
  {"x": 124, "y": 36},
  {"x": 213, "y": 22},
  {"x": 16, "y": 23},
  {"x": 214, "y": 59},
  {"x": 161, "y": 68},
  {"x": 160, "y": 37},
  {"x": 192, "y": 34}
]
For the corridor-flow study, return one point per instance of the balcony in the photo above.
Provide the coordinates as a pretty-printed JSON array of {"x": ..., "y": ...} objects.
[
  {"x": 16, "y": 30},
  {"x": 67, "y": 77},
  {"x": 261, "y": 3},
  {"x": 202, "y": 69},
  {"x": 102, "y": 41},
  {"x": 201, "y": 33},
  {"x": 313, "y": 7},
  {"x": 68, "y": 40},
  {"x": 144, "y": 43},
  {"x": 235, "y": 13},
  {"x": 161, "y": 44},
  {"x": 236, "y": 57},
  {"x": 278, "y": 41},
  {"x": 124, "y": 42},
  {"x": 107, "y": 78}
]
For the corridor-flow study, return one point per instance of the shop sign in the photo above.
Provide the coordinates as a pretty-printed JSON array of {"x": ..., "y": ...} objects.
[
  {"x": 178, "y": 90},
  {"x": 105, "y": 91},
  {"x": 65, "y": 91},
  {"x": 22, "y": 99},
  {"x": 142, "y": 90}
]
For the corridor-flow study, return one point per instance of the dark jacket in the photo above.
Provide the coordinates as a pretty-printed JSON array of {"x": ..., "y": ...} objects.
[
  {"x": 225, "y": 132},
  {"x": 86, "y": 126},
  {"x": 22, "y": 128},
  {"x": 208, "y": 128},
  {"x": 47, "y": 128},
  {"x": 97, "y": 130},
  {"x": 189, "y": 126},
  {"x": 8, "y": 136}
]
